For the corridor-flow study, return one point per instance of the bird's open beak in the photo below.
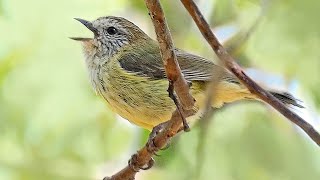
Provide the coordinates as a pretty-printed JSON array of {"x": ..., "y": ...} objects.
[{"x": 89, "y": 25}]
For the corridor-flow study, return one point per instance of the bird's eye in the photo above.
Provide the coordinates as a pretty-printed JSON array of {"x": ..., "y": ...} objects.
[{"x": 112, "y": 30}]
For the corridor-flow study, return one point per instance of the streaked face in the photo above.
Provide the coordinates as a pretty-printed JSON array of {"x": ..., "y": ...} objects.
[{"x": 110, "y": 34}]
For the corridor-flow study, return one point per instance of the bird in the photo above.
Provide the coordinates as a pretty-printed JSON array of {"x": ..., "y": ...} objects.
[{"x": 126, "y": 69}]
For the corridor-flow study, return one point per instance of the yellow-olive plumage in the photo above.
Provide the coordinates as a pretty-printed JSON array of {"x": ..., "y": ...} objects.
[{"x": 125, "y": 68}]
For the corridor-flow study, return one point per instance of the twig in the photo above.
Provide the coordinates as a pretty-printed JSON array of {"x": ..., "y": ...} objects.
[
  {"x": 144, "y": 156},
  {"x": 234, "y": 44},
  {"x": 204, "y": 124},
  {"x": 232, "y": 66},
  {"x": 238, "y": 40},
  {"x": 205, "y": 121}
]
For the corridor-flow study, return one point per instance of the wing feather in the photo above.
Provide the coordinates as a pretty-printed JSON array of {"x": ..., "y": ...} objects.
[{"x": 148, "y": 63}]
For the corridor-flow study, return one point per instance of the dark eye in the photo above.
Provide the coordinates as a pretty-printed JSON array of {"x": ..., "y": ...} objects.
[{"x": 112, "y": 30}]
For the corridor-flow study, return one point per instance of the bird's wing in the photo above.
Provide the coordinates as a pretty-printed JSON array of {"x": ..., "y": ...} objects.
[
  {"x": 148, "y": 63},
  {"x": 195, "y": 68},
  {"x": 144, "y": 62}
]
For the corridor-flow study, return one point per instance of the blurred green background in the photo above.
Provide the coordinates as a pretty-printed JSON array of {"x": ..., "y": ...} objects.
[{"x": 52, "y": 126}]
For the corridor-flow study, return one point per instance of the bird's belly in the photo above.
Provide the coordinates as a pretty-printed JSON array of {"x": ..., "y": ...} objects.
[
  {"x": 141, "y": 101},
  {"x": 146, "y": 103}
]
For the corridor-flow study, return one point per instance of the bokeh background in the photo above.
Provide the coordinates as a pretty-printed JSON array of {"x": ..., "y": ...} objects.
[{"x": 52, "y": 125}]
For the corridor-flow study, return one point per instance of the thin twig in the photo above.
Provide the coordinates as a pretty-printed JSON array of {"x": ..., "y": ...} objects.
[
  {"x": 144, "y": 156},
  {"x": 238, "y": 40},
  {"x": 204, "y": 124},
  {"x": 234, "y": 44},
  {"x": 205, "y": 121},
  {"x": 232, "y": 66}
]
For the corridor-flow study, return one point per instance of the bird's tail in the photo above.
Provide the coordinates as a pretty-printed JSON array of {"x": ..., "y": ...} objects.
[
  {"x": 287, "y": 98},
  {"x": 229, "y": 92}
]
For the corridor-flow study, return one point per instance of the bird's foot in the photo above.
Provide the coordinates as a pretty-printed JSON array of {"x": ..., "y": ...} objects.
[
  {"x": 152, "y": 147},
  {"x": 133, "y": 163}
]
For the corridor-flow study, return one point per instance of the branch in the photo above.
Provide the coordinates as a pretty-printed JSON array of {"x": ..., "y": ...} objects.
[
  {"x": 168, "y": 54},
  {"x": 177, "y": 83},
  {"x": 232, "y": 66}
]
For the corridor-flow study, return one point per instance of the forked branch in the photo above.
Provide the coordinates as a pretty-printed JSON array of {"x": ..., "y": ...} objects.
[{"x": 144, "y": 156}]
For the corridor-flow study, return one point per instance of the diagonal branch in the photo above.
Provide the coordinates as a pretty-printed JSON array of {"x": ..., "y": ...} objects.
[{"x": 232, "y": 66}]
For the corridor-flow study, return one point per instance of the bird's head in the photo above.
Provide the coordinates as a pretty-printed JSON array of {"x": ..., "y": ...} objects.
[{"x": 110, "y": 35}]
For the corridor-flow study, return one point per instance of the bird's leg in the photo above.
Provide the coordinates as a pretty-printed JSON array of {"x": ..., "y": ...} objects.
[
  {"x": 170, "y": 90},
  {"x": 152, "y": 147},
  {"x": 149, "y": 165},
  {"x": 134, "y": 165}
]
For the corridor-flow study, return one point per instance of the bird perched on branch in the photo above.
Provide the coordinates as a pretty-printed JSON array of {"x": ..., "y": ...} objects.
[{"x": 126, "y": 70}]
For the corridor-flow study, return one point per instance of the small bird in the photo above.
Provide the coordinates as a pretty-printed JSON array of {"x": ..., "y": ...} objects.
[{"x": 126, "y": 70}]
